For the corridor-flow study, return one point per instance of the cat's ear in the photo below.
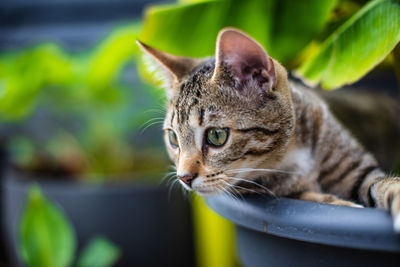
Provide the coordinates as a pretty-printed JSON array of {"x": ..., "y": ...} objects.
[
  {"x": 174, "y": 68},
  {"x": 245, "y": 59}
]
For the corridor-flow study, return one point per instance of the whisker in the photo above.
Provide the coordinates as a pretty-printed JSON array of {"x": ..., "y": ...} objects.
[
  {"x": 151, "y": 120},
  {"x": 233, "y": 196},
  {"x": 186, "y": 193},
  {"x": 224, "y": 191},
  {"x": 232, "y": 187},
  {"x": 258, "y": 170},
  {"x": 251, "y": 182},
  {"x": 171, "y": 186},
  {"x": 154, "y": 110},
  {"x": 167, "y": 177},
  {"x": 246, "y": 189},
  {"x": 151, "y": 124},
  {"x": 171, "y": 179}
]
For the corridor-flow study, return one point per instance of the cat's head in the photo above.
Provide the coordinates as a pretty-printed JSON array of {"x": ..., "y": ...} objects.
[{"x": 225, "y": 115}]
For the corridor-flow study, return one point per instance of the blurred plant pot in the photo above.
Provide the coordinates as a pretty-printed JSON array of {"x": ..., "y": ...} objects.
[
  {"x": 3, "y": 157},
  {"x": 141, "y": 220},
  {"x": 288, "y": 232}
]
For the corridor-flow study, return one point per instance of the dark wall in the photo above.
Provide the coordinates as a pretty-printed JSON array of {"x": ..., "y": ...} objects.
[{"x": 76, "y": 24}]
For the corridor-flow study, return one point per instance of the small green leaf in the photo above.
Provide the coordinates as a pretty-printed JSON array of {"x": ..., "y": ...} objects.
[
  {"x": 46, "y": 237},
  {"x": 99, "y": 253},
  {"x": 356, "y": 47}
]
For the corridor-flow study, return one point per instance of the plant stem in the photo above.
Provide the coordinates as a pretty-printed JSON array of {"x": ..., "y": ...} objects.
[{"x": 396, "y": 59}]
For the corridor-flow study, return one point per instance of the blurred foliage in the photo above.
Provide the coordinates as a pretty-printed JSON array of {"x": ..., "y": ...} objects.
[
  {"x": 45, "y": 65},
  {"x": 95, "y": 105},
  {"x": 356, "y": 47},
  {"x": 78, "y": 79},
  {"x": 47, "y": 238},
  {"x": 99, "y": 253},
  {"x": 336, "y": 42},
  {"x": 283, "y": 27}
]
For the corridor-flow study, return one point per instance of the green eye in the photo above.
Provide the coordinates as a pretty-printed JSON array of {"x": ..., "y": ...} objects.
[
  {"x": 173, "y": 140},
  {"x": 217, "y": 137}
]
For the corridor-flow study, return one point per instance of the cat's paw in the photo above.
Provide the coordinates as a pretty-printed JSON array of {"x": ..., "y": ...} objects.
[
  {"x": 346, "y": 203},
  {"x": 393, "y": 200},
  {"x": 395, "y": 209},
  {"x": 359, "y": 206},
  {"x": 386, "y": 194},
  {"x": 327, "y": 199},
  {"x": 396, "y": 222}
]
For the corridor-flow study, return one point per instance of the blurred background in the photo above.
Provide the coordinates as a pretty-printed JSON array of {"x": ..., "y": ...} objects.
[{"x": 81, "y": 151}]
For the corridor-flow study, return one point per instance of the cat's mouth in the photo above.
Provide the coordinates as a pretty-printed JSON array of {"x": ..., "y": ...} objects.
[
  {"x": 226, "y": 184},
  {"x": 209, "y": 187},
  {"x": 215, "y": 186},
  {"x": 203, "y": 187}
]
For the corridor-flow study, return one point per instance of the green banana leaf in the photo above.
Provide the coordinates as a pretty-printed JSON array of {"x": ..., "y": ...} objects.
[
  {"x": 46, "y": 237},
  {"x": 190, "y": 28},
  {"x": 356, "y": 47}
]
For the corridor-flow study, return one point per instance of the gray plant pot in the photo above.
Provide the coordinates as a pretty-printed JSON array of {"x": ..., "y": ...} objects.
[
  {"x": 149, "y": 227},
  {"x": 3, "y": 163},
  {"x": 287, "y": 232}
]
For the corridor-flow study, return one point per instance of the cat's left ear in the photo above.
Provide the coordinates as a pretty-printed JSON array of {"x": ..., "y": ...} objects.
[
  {"x": 245, "y": 58},
  {"x": 174, "y": 68}
]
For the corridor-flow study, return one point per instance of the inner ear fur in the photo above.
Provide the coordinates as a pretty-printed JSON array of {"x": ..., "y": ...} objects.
[{"x": 245, "y": 58}]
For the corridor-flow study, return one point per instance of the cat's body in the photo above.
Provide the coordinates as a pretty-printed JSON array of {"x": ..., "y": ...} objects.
[
  {"x": 237, "y": 124},
  {"x": 324, "y": 157}
]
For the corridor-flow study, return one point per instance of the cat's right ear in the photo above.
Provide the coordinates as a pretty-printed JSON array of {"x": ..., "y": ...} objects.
[
  {"x": 245, "y": 60},
  {"x": 173, "y": 68}
]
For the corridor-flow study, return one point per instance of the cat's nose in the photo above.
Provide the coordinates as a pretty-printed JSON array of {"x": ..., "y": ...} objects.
[{"x": 187, "y": 178}]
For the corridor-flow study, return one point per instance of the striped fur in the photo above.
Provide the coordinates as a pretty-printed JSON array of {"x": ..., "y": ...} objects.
[{"x": 283, "y": 140}]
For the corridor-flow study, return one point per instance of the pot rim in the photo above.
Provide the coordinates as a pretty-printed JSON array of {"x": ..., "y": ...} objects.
[{"x": 360, "y": 228}]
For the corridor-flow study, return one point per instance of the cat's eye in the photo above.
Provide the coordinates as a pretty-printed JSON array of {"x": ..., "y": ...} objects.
[
  {"x": 217, "y": 137},
  {"x": 173, "y": 139}
]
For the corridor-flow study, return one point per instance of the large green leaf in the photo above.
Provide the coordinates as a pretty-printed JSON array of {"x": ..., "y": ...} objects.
[
  {"x": 46, "y": 237},
  {"x": 284, "y": 27},
  {"x": 99, "y": 253},
  {"x": 356, "y": 47}
]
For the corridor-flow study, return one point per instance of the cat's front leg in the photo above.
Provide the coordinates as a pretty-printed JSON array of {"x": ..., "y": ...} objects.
[
  {"x": 386, "y": 194},
  {"x": 327, "y": 199}
]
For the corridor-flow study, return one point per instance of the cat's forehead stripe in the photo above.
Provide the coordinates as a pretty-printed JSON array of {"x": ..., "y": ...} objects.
[
  {"x": 201, "y": 116},
  {"x": 172, "y": 117},
  {"x": 186, "y": 103},
  {"x": 192, "y": 91}
]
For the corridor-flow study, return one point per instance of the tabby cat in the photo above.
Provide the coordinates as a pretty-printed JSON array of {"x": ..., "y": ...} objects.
[{"x": 236, "y": 123}]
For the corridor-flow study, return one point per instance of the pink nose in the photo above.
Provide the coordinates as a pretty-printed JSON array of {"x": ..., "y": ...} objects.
[{"x": 187, "y": 179}]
